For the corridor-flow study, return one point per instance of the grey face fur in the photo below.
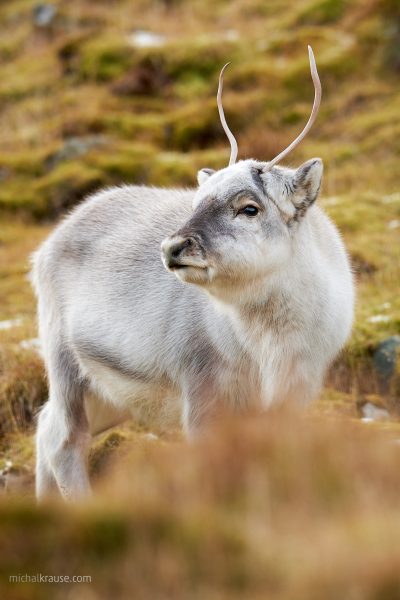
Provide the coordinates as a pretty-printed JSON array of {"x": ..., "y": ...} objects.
[{"x": 242, "y": 223}]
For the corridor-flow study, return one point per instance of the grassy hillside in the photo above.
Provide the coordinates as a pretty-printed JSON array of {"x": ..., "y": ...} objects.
[{"x": 110, "y": 92}]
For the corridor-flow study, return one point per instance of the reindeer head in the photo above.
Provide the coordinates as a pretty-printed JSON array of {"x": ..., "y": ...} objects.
[{"x": 245, "y": 215}]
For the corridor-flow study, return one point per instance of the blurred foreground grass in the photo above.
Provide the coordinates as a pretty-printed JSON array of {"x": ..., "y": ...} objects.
[
  {"x": 108, "y": 93},
  {"x": 278, "y": 507}
]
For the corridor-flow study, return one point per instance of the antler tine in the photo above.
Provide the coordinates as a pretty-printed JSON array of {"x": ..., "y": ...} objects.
[
  {"x": 230, "y": 136},
  {"x": 313, "y": 116}
]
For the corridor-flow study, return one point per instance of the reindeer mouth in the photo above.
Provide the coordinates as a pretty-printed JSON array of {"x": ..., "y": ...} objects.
[
  {"x": 179, "y": 266},
  {"x": 183, "y": 253},
  {"x": 196, "y": 274},
  {"x": 186, "y": 261},
  {"x": 190, "y": 272}
]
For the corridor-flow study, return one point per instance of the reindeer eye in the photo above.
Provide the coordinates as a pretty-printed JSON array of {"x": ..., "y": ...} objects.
[{"x": 250, "y": 211}]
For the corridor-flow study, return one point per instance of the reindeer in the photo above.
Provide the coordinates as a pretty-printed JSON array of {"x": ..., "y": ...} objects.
[{"x": 247, "y": 306}]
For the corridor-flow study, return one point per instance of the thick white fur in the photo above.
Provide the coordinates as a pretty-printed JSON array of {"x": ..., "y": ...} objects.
[{"x": 121, "y": 335}]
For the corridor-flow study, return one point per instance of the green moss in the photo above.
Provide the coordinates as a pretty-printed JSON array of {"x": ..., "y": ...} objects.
[
  {"x": 25, "y": 163},
  {"x": 18, "y": 196},
  {"x": 391, "y": 30},
  {"x": 257, "y": 74},
  {"x": 150, "y": 127},
  {"x": 194, "y": 126},
  {"x": 323, "y": 11},
  {"x": 104, "y": 450},
  {"x": 173, "y": 168},
  {"x": 123, "y": 163},
  {"x": 104, "y": 58},
  {"x": 192, "y": 85},
  {"x": 26, "y": 76},
  {"x": 201, "y": 59},
  {"x": 68, "y": 183}
]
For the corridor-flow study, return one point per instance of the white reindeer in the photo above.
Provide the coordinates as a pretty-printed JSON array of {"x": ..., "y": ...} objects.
[{"x": 254, "y": 302}]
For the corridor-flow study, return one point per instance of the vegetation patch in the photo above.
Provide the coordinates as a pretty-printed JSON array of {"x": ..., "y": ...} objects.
[{"x": 23, "y": 389}]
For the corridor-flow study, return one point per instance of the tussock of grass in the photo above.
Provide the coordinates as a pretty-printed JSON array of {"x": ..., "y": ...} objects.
[
  {"x": 277, "y": 507},
  {"x": 23, "y": 389}
]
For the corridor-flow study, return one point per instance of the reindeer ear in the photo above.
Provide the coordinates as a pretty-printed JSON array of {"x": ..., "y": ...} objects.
[
  {"x": 203, "y": 175},
  {"x": 306, "y": 182}
]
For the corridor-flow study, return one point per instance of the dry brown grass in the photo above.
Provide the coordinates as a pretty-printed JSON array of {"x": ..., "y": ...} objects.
[{"x": 279, "y": 507}]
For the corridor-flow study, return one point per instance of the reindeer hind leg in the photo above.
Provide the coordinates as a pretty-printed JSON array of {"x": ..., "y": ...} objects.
[{"x": 63, "y": 436}]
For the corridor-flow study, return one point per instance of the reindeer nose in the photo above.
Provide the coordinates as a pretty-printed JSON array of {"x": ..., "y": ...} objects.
[
  {"x": 178, "y": 247},
  {"x": 175, "y": 248}
]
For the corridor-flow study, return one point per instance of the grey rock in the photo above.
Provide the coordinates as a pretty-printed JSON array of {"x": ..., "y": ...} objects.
[
  {"x": 372, "y": 412},
  {"x": 73, "y": 148},
  {"x": 5, "y": 173},
  {"x": 385, "y": 357},
  {"x": 44, "y": 14}
]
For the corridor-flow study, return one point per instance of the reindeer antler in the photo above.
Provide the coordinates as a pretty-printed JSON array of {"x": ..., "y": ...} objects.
[
  {"x": 300, "y": 137},
  {"x": 231, "y": 137},
  {"x": 313, "y": 116}
]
